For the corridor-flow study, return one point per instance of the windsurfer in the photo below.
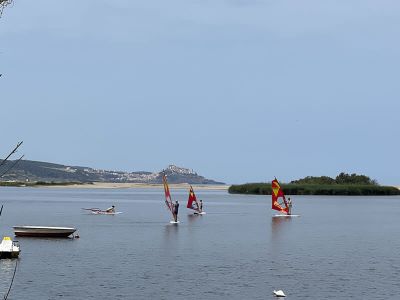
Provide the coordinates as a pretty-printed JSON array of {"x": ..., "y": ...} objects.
[
  {"x": 289, "y": 202},
  {"x": 176, "y": 210},
  {"x": 111, "y": 209},
  {"x": 201, "y": 205}
]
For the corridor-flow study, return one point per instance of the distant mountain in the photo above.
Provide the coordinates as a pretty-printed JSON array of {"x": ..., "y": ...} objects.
[{"x": 28, "y": 170}]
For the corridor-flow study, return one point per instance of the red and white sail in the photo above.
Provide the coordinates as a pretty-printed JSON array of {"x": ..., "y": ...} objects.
[
  {"x": 192, "y": 201},
  {"x": 168, "y": 199},
  {"x": 278, "y": 198}
]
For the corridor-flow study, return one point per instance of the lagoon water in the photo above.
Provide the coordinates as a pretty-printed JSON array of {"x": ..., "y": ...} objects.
[{"x": 339, "y": 248}]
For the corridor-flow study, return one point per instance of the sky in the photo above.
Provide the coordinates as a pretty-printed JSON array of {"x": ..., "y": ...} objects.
[{"x": 238, "y": 90}]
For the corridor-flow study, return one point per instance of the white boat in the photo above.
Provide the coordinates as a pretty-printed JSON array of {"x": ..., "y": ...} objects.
[
  {"x": 9, "y": 248},
  {"x": 43, "y": 231}
]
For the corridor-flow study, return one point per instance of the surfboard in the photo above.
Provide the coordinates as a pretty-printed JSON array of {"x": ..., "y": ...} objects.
[
  {"x": 173, "y": 222},
  {"x": 199, "y": 213},
  {"x": 286, "y": 216},
  {"x": 106, "y": 213}
]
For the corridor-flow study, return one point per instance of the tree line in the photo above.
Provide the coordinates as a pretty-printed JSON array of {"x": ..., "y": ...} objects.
[{"x": 343, "y": 185}]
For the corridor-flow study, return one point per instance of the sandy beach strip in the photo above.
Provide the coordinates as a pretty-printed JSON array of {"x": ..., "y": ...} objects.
[{"x": 113, "y": 185}]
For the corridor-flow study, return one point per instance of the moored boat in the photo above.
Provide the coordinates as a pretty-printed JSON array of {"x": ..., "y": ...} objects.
[
  {"x": 9, "y": 248},
  {"x": 43, "y": 231}
]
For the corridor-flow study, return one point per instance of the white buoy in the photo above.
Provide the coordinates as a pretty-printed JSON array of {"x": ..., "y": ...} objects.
[{"x": 279, "y": 293}]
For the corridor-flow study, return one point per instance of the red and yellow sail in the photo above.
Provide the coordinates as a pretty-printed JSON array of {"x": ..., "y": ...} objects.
[
  {"x": 192, "y": 201},
  {"x": 278, "y": 198},
  {"x": 168, "y": 199}
]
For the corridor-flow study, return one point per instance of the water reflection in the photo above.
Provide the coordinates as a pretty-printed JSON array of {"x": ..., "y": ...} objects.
[
  {"x": 279, "y": 225},
  {"x": 171, "y": 231},
  {"x": 7, "y": 265},
  {"x": 170, "y": 239},
  {"x": 192, "y": 218}
]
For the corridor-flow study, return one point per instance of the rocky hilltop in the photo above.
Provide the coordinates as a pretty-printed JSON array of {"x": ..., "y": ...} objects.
[{"x": 34, "y": 171}]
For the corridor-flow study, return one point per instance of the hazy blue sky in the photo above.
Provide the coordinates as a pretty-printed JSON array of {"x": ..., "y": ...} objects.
[{"x": 238, "y": 90}]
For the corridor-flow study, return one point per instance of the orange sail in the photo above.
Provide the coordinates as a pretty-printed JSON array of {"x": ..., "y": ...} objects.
[
  {"x": 192, "y": 201},
  {"x": 168, "y": 199},
  {"x": 278, "y": 198}
]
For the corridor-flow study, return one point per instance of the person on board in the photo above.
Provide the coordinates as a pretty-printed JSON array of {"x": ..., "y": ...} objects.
[
  {"x": 201, "y": 205},
  {"x": 176, "y": 210},
  {"x": 289, "y": 203},
  {"x": 111, "y": 209}
]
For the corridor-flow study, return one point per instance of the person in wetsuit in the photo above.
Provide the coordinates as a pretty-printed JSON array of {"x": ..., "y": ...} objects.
[
  {"x": 201, "y": 205},
  {"x": 289, "y": 202},
  {"x": 111, "y": 209},
  {"x": 176, "y": 210}
]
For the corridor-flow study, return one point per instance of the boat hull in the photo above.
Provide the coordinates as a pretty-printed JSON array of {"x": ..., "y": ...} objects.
[
  {"x": 42, "y": 231},
  {"x": 7, "y": 255}
]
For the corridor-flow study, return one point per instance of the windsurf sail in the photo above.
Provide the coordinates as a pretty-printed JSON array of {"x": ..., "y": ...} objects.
[
  {"x": 168, "y": 199},
  {"x": 192, "y": 201},
  {"x": 278, "y": 198}
]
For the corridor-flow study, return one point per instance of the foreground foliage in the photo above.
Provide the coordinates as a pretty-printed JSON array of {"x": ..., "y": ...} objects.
[{"x": 342, "y": 178}]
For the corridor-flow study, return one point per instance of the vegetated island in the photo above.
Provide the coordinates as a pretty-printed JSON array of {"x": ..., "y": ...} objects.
[{"x": 343, "y": 185}]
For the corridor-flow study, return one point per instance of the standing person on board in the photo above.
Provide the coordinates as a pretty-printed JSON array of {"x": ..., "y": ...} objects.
[
  {"x": 201, "y": 205},
  {"x": 176, "y": 210},
  {"x": 289, "y": 203}
]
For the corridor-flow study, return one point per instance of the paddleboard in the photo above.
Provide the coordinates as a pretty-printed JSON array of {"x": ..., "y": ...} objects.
[
  {"x": 287, "y": 216},
  {"x": 202, "y": 213},
  {"x": 106, "y": 213},
  {"x": 173, "y": 222}
]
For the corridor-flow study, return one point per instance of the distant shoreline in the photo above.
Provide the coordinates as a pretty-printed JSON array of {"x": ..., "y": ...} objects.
[{"x": 114, "y": 185}]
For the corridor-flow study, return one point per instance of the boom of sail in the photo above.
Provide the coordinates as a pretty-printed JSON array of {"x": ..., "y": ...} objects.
[{"x": 279, "y": 202}]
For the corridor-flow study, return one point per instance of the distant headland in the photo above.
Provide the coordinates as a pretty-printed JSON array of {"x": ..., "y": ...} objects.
[
  {"x": 37, "y": 173},
  {"x": 343, "y": 185}
]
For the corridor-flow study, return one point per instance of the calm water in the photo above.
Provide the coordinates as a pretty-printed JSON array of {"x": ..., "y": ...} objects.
[{"x": 340, "y": 247}]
